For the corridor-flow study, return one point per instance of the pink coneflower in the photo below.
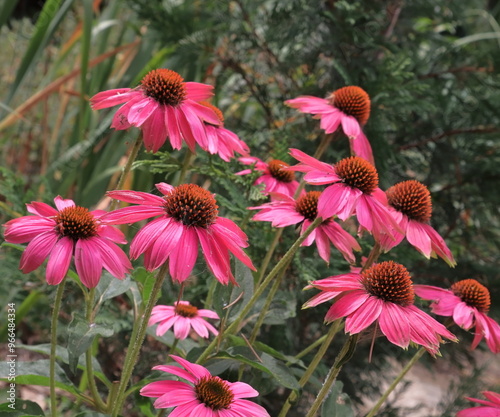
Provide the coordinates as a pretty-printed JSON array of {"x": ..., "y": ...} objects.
[
  {"x": 491, "y": 409},
  {"x": 468, "y": 303},
  {"x": 222, "y": 141},
  {"x": 347, "y": 106},
  {"x": 163, "y": 105},
  {"x": 188, "y": 216},
  {"x": 202, "y": 395},
  {"x": 383, "y": 293},
  {"x": 184, "y": 317},
  {"x": 410, "y": 203},
  {"x": 275, "y": 178},
  {"x": 284, "y": 211},
  {"x": 354, "y": 190},
  {"x": 60, "y": 234}
]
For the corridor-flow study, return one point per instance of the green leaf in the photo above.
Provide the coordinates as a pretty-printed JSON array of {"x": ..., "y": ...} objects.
[
  {"x": 337, "y": 404},
  {"x": 62, "y": 355},
  {"x": 225, "y": 295},
  {"x": 37, "y": 373},
  {"x": 267, "y": 364},
  {"x": 147, "y": 281},
  {"x": 81, "y": 334},
  {"x": 110, "y": 287},
  {"x": 49, "y": 19},
  {"x": 21, "y": 408}
]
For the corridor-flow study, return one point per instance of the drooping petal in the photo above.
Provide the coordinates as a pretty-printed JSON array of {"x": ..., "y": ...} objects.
[
  {"x": 154, "y": 130},
  {"x": 364, "y": 316},
  {"x": 41, "y": 209},
  {"x": 394, "y": 324},
  {"x": 110, "y": 98},
  {"x": 114, "y": 259},
  {"x": 217, "y": 258},
  {"x": 172, "y": 124},
  {"x": 148, "y": 235},
  {"x": 161, "y": 248},
  {"x": 142, "y": 110},
  {"x": 418, "y": 237},
  {"x": 88, "y": 263},
  {"x": 37, "y": 251},
  {"x": 182, "y": 326},
  {"x": 463, "y": 315},
  {"x": 360, "y": 146},
  {"x": 26, "y": 228},
  {"x": 59, "y": 260},
  {"x": 346, "y": 304},
  {"x": 183, "y": 256}
]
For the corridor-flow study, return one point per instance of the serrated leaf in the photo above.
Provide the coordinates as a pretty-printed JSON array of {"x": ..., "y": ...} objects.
[
  {"x": 22, "y": 408},
  {"x": 110, "y": 287},
  {"x": 81, "y": 334},
  {"x": 267, "y": 364}
]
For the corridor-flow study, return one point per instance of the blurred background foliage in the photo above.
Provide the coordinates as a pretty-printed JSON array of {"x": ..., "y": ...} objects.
[{"x": 430, "y": 68}]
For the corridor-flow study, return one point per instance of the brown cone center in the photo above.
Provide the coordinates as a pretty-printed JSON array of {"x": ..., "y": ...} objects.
[
  {"x": 307, "y": 205},
  {"x": 191, "y": 205},
  {"x": 357, "y": 173},
  {"x": 76, "y": 222},
  {"x": 186, "y": 310},
  {"x": 473, "y": 294},
  {"x": 389, "y": 281},
  {"x": 214, "y": 392},
  {"x": 165, "y": 86},
  {"x": 353, "y": 101},
  {"x": 411, "y": 198},
  {"x": 276, "y": 171}
]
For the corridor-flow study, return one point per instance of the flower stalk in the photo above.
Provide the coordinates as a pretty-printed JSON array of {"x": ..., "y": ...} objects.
[
  {"x": 343, "y": 357},
  {"x": 328, "y": 338},
  {"x": 396, "y": 381},
  {"x": 53, "y": 346},
  {"x": 136, "y": 342},
  {"x": 128, "y": 166},
  {"x": 233, "y": 327}
]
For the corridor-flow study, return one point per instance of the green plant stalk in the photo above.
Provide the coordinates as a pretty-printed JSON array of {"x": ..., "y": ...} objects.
[
  {"x": 188, "y": 158},
  {"x": 372, "y": 257},
  {"x": 269, "y": 255},
  {"x": 267, "y": 304},
  {"x": 173, "y": 347},
  {"x": 53, "y": 346},
  {"x": 325, "y": 141},
  {"x": 327, "y": 339},
  {"x": 232, "y": 328},
  {"x": 88, "y": 355},
  {"x": 126, "y": 169},
  {"x": 398, "y": 379},
  {"x": 344, "y": 356},
  {"x": 308, "y": 349},
  {"x": 136, "y": 343}
]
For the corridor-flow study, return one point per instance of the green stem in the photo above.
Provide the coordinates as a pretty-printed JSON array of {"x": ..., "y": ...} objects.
[
  {"x": 269, "y": 254},
  {"x": 136, "y": 342},
  {"x": 185, "y": 166},
  {"x": 88, "y": 354},
  {"x": 53, "y": 346},
  {"x": 398, "y": 379},
  {"x": 372, "y": 257},
  {"x": 308, "y": 349},
  {"x": 162, "y": 412},
  {"x": 327, "y": 339},
  {"x": 173, "y": 347},
  {"x": 232, "y": 328},
  {"x": 267, "y": 304},
  {"x": 343, "y": 357},
  {"x": 126, "y": 169}
]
